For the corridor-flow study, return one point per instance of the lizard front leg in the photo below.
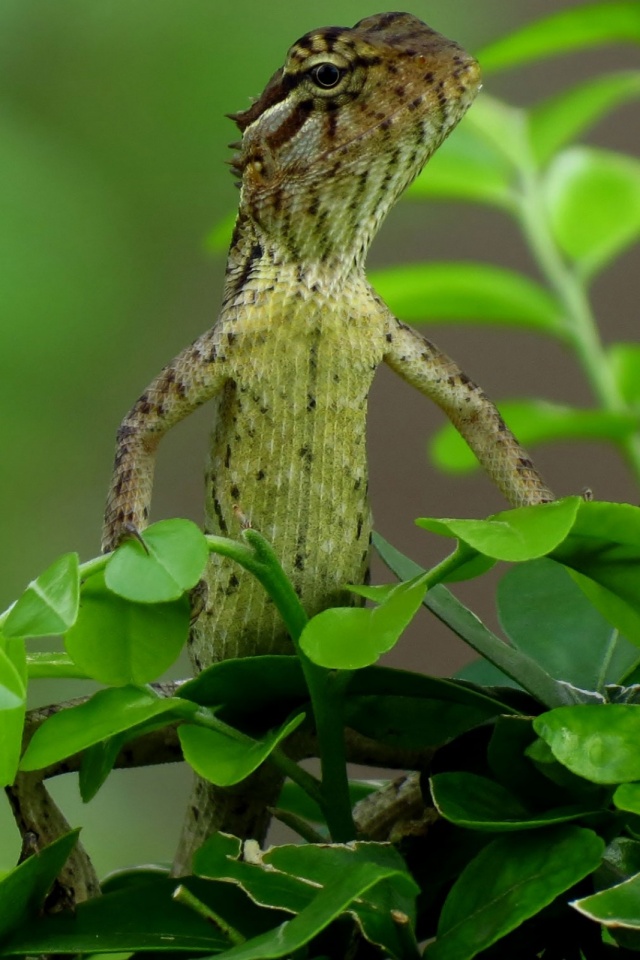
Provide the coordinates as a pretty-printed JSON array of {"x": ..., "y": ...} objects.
[
  {"x": 193, "y": 377},
  {"x": 424, "y": 366}
]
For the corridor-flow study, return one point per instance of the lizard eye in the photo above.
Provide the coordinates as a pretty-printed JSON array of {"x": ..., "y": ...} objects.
[{"x": 326, "y": 75}]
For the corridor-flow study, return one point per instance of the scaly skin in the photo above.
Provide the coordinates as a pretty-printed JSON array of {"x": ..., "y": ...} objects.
[{"x": 337, "y": 135}]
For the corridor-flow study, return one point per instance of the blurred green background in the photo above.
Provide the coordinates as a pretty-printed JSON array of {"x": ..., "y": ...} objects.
[{"x": 111, "y": 175}]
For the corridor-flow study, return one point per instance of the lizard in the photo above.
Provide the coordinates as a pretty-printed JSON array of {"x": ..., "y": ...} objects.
[{"x": 339, "y": 132}]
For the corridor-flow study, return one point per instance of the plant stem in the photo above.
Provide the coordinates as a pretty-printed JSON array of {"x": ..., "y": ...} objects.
[
  {"x": 581, "y": 329},
  {"x": 183, "y": 895},
  {"x": 305, "y": 780},
  {"x": 326, "y": 698}
]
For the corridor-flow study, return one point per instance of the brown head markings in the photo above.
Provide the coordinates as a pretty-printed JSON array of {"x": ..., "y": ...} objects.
[{"x": 345, "y": 101}]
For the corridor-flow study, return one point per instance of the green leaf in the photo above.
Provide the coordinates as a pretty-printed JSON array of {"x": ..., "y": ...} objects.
[
  {"x": 511, "y": 879},
  {"x": 534, "y": 422},
  {"x": 250, "y": 691},
  {"x": 289, "y": 878},
  {"x": 465, "y": 624},
  {"x": 627, "y": 797},
  {"x": 23, "y": 890},
  {"x": 504, "y": 127},
  {"x": 174, "y": 560},
  {"x": 107, "y": 713},
  {"x": 599, "y": 743},
  {"x": 224, "y": 760},
  {"x": 374, "y": 911},
  {"x": 477, "y": 803},
  {"x": 523, "y": 533},
  {"x": 148, "y": 919},
  {"x": 51, "y": 664},
  {"x": 468, "y": 293},
  {"x": 593, "y": 202},
  {"x": 466, "y": 167},
  {"x": 97, "y": 763},
  {"x": 119, "y": 642},
  {"x": 412, "y": 722},
  {"x": 603, "y": 553},
  {"x": 625, "y": 365},
  {"x": 13, "y": 698},
  {"x": 546, "y": 615},
  {"x": 587, "y": 25},
  {"x": 618, "y": 906},
  {"x": 565, "y": 116},
  {"x": 387, "y": 682},
  {"x": 347, "y": 638},
  {"x": 621, "y": 860},
  {"x": 49, "y": 605},
  {"x": 219, "y": 239},
  {"x": 327, "y": 905}
]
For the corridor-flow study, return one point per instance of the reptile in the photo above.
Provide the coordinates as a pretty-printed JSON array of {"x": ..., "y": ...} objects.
[{"x": 338, "y": 133}]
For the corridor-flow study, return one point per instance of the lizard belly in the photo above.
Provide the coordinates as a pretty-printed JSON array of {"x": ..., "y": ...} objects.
[{"x": 289, "y": 455}]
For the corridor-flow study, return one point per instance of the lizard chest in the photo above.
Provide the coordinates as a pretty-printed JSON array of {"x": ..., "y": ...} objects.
[{"x": 289, "y": 441}]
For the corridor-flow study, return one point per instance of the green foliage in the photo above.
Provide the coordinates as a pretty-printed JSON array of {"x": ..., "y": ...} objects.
[{"x": 538, "y": 741}]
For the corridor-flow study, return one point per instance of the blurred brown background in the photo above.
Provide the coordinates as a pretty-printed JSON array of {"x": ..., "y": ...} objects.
[{"x": 111, "y": 175}]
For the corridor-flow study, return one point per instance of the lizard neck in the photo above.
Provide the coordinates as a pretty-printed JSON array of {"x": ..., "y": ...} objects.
[{"x": 261, "y": 257}]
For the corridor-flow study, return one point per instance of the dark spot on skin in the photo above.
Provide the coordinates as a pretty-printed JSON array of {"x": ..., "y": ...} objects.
[
  {"x": 365, "y": 554},
  {"x": 181, "y": 388},
  {"x": 218, "y": 512},
  {"x": 144, "y": 404},
  {"x": 235, "y": 492},
  {"x": 332, "y": 120},
  {"x": 213, "y": 355},
  {"x": 312, "y": 209},
  {"x": 292, "y": 125},
  {"x": 227, "y": 459},
  {"x": 195, "y": 813},
  {"x": 386, "y": 124},
  {"x": 298, "y": 590},
  {"x": 230, "y": 337},
  {"x": 399, "y": 90},
  {"x": 389, "y": 338},
  {"x": 502, "y": 427},
  {"x": 358, "y": 483},
  {"x": 336, "y": 378},
  {"x": 311, "y": 402},
  {"x": 299, "y": 562},
  {"x": 464, "y": 379},
  {"x": 145, "y": 513},
  {"x": 360, "y": 520},
  {"x": 260, "y": 475},
  {"x": 123, "y": 479},
  {"x": 525, "y": 463},
  {"x": 306, "y": 454},
  {"x": 315, "y": 288},
  {"x": 233, "y": 585},
  {"x": 415, "y": 103},
  {"x": 429, "y": 76},
  {"x": 392, "y": 69}
]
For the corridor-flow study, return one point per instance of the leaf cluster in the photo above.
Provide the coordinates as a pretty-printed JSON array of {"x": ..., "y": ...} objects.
[{"x": 524, "y": 835}]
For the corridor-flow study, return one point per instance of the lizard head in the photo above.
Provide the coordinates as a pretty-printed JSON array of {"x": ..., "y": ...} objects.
[{"x": 344, "y": 126}]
